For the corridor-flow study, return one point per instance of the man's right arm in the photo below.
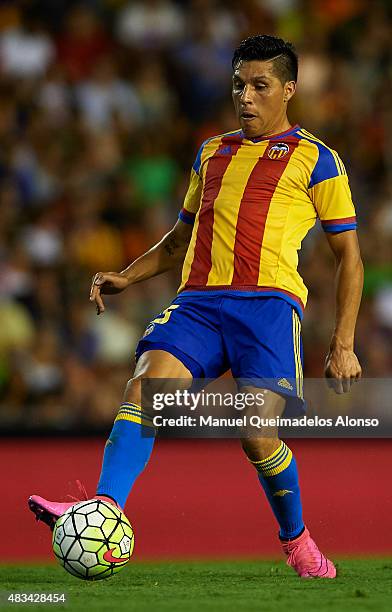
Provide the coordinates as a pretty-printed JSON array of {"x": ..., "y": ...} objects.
[{"x": 166, "y": 255}]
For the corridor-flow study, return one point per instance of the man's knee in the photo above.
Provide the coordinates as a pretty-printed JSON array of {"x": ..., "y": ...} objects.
[
  {"x": 156, "y": 372},
  {"x": 142, "y": 385},
  {"x": 133, "y": 388}
]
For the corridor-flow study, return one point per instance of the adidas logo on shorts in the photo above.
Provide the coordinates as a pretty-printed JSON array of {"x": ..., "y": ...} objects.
[{"x": 283, "y": 382}]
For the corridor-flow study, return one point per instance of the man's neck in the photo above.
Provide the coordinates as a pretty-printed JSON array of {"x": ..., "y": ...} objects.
[{"x": 277, "y": 128}]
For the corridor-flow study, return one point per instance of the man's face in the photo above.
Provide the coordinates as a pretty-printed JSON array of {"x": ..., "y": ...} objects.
[{"x": 260, "y": 99}]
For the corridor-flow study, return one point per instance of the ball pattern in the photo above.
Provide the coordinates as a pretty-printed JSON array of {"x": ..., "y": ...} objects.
[{"x": 93, "y": 540}]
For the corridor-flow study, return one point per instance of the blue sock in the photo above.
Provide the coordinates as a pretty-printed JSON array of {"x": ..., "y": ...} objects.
[
  {"x": 127, "y": 452},
  {"x": 278, "y": 476}
]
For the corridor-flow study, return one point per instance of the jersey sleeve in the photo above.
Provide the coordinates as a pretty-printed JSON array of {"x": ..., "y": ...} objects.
[
  {"x": 330, "y": 193},
  {"x": 193, "y": 195}
]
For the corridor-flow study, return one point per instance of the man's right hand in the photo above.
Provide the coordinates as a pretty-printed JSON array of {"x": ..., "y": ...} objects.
[{"x": 106, "y": 283}]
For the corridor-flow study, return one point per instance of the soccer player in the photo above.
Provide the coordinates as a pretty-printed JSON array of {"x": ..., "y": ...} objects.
[{"x": 254, "y": 194}]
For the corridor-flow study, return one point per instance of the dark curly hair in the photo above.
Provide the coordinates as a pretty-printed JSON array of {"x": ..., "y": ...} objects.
[{"x": 264, "y": 47}]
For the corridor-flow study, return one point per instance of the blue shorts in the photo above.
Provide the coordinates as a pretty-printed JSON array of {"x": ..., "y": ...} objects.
[{"x": 256, "y": 337}]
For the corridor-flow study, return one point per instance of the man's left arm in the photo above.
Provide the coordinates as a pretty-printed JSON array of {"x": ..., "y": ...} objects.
[{"x": 342, "y": 367}]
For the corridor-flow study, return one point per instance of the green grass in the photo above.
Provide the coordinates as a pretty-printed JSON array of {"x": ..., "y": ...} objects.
[{"x": 362, "y": 584}]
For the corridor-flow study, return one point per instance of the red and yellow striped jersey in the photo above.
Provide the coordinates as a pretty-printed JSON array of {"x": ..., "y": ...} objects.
[{"x": 252, "y": 203}]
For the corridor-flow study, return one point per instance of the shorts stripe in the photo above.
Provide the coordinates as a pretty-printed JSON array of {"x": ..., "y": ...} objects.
[
  {"x": 297, "y": 354},
  {"x": 301, "y": 373}
]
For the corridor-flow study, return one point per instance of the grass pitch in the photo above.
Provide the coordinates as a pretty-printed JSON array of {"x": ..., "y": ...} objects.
[{"x": 362, "y": 584}]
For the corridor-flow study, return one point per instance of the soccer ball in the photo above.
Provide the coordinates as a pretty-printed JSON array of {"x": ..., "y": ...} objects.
[{"x": 93, "y": 540}]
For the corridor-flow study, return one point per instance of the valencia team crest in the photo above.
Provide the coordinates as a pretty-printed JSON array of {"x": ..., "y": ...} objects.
[{"x": 278, "y": 150}]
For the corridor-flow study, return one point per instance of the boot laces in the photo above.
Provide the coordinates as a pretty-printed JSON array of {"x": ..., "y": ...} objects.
[{"x": 82, "y": 493}]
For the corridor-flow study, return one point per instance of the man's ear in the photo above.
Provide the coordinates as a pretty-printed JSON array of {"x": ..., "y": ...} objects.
[{"x": 289, "y": 90}]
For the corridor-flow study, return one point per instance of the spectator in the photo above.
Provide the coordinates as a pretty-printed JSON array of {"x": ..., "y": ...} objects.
[
  {"x": 26, "y": 51},
  {"x": 82, "y": 43},
  {"x": 105, "y": 97},
  {"x": 152, "y": 24}
]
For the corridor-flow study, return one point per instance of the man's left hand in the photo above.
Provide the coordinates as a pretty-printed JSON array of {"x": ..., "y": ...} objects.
[{"x": 342, "y": 369}]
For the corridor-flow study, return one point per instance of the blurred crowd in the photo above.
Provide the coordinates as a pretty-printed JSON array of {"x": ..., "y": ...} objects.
[{"x": 103, "y": 105}]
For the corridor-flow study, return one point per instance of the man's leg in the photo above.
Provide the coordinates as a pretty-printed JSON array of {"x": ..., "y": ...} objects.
[
  {"x": 277, "y": 472},
  {"x": 129, "y": 445},
  {"x": 276, "y": 468}
]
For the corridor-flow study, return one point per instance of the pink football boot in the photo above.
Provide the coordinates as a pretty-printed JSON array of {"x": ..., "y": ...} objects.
[
  {"x": 48, "y": 512},
  {"x": 306, "y": 559}
]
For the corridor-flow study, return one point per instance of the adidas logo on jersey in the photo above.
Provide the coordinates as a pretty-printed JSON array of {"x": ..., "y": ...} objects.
[{"x": 283, "y": 382}]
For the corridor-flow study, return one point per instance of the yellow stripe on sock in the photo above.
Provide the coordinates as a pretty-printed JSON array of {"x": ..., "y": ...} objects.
[
  {"x": 134, "y": 409},
  {"x": 138, "y": 413},
  {"x": 122, "y": 416},
  {"x": 130, "y": 405},
  {"x": 276, "y": 463},
  {"x": 279, "y": 468}
]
